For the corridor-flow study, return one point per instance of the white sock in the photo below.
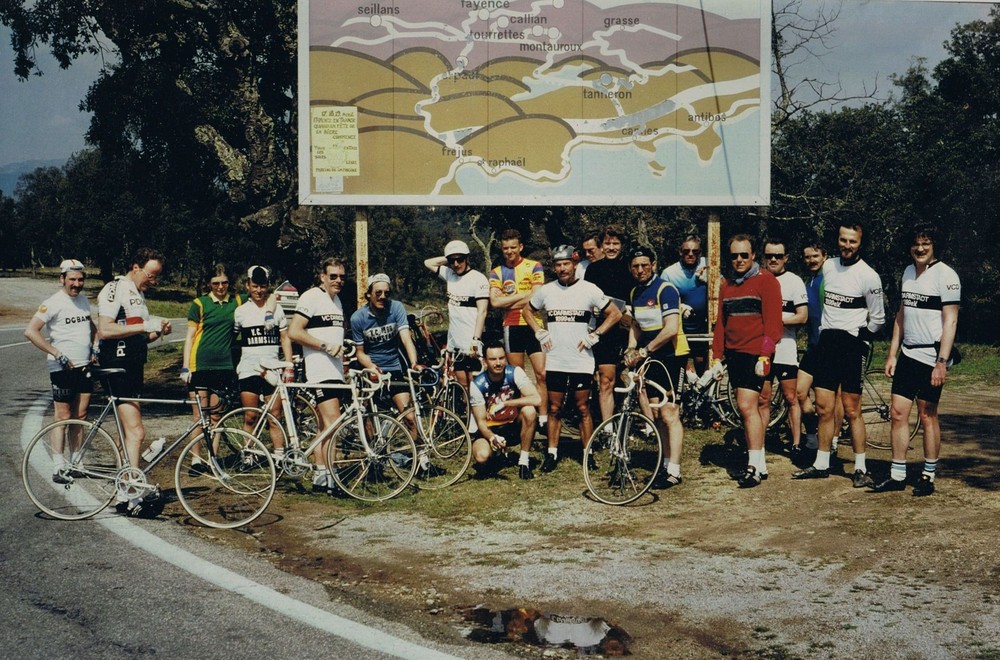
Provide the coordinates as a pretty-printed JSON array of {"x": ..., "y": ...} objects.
[
  {"x": 835, "y": 443},
  {"x": 674, "y": 469},
  {"x": 757, "y": 460},
  {"x": 525, "y": 458},
  {"x": 859, "y": 462},
  {"x": 822, "y": 460},
  {"x": 554, "y": 451}
]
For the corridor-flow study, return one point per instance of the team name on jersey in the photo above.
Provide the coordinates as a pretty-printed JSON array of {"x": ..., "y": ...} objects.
[
  {"x": 76, "y": 319},
  {"x": 841, "y": 301},
  {"x": 325, "y": 321},
  {"x": 568, "y": 316},
  {"x": 461, "y": 301},
  {"x": 380, "y": 334},
  {"x": 921, "y": 301},
  {"x": 259, "y": 336}
]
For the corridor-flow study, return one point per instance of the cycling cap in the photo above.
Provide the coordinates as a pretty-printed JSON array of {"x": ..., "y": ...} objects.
[
  {"x": 259, "y": 275},
  {"x": 456, "y": 247},
  {"x": 70, "y": 264},
  {"x": 642, "y": 251},
  {"x": 562, "y": 253},
  {"x": 378, "y": 277}
]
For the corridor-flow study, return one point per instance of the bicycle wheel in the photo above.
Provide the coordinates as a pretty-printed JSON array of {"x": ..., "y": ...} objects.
[
  {"x": 722, "y": 402},
  {"x": 456, "y": 399},
  {"x": 69, "y": 469},
  {"x": 230, "y": 489},
  {"x": 876, "y": 400},
  {"x": 627, "y": 452},
  {"x": 262, "y": 427},
  {"x": 372, "y": 461},
  {"x": 445, "y": 441},
  {"x": 306, "y": 417}
]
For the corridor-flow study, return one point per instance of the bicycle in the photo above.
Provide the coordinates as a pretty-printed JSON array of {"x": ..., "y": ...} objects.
[
  {"x": 625, "y": 451},
  {"x": 447, "y": 392},
  {"x": 445, "y": 450},
  {"x": 229, "y": 489},
  {"x": 876, "y": 402},
  {"x": 371, "y": 456}
]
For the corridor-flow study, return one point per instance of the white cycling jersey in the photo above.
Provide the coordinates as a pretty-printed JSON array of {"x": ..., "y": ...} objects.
[
  {"x": 923, "y": 299},
  {"x": 324, "y": 321},
  {"x": 463, "y": 292},
  {"x": 67, "y": 320},
  {"x": 256, "y": 342},
  {"x": 122, "y": 301},
  {"x": 567, "y": 311},
  {"x": 793, "y": 296},
  {"x": 853, "y": 297}
]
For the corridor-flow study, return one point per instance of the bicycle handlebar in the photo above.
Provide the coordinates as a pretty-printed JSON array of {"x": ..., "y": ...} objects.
[{"x": 632, "y": 378}]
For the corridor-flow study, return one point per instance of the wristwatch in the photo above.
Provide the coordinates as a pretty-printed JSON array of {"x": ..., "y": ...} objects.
[{"x": 322, "y": 347}]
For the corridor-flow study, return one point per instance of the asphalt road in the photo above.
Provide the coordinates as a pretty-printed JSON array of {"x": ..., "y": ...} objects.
[{"x": 112, "y": 587}]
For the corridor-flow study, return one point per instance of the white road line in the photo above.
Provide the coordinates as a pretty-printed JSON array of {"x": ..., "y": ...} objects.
[
  {"x": 310, "y": 615},
  {"x": 20, "y": 343}
]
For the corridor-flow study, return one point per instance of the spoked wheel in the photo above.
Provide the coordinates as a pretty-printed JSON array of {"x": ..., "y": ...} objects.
[
  {"x": 69, "y": 469},
  {"x": 264, "y": 426},
  {"x": 374, "y": 460},
  {"x": 627, "y": 452},
  {"x": 876, "y": 402},
  {"x": 779, "y": 407},
  {"x": 230, "y": 489},
  {"x": 444, "y": 441}
]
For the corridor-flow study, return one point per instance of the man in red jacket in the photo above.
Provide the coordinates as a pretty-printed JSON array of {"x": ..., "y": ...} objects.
[{"x": 746, "y": 332}]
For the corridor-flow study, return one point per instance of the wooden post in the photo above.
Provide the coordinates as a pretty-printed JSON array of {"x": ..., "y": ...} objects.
[
  {"x": 714, "y": 246},
  {"x": 361, "y": 251}
]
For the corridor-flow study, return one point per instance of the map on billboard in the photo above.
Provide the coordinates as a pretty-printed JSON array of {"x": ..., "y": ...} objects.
[{"x": 571, "y": 102}]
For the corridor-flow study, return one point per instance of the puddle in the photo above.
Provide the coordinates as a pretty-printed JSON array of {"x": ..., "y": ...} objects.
[{"x": 585, "y": 635}]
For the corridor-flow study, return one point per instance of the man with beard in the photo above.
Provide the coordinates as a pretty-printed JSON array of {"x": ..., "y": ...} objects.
[{"x": 853, "y": 311}]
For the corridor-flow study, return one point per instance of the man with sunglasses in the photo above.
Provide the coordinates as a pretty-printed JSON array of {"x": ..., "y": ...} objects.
[
  {"x": 317, "y": 324},
  {"x": 925, "y": 329},
  {"x": 794, "y": 313},
  {"x": 468, "y": 301},
  {"x": 125, "y": 328},
  {"x": 853, "y": 311},
  {"x": 746, "y": 334},
  {"x": 69, "y": 335},
  {"x": 690, "y": 275}
]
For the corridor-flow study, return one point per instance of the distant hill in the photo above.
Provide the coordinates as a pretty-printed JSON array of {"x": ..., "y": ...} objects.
[{"x": 11, "y": 172}]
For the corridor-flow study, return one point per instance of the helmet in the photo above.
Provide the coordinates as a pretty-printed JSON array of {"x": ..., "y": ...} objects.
[
  {"x": 456, "y": 247},
  {"x": 259, "y": 275},
  {"x": 642, "y": 251},
  {"x": 562, "y": 253}
]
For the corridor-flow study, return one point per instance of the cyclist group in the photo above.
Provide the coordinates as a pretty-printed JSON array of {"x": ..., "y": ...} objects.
[{"x": 609, "y": 310}]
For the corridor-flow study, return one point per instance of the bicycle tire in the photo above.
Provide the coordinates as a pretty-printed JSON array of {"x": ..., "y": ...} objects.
[
  {"x": 721, "y": 402},
  {"x": 384, "y": 472},
  {"x": 230, "y": 490},
  {"x": 262, "y": 428},
  {"x": 456, "y": 399},
  {"x": 876, "y": 402},
  {"x": 91, "y": 472},
  {"x": 448, "y": 445},
  {"x": 627, "y": 452}
]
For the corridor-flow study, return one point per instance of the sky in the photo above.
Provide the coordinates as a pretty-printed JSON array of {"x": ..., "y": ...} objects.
[{"x": 40, "y": 118}]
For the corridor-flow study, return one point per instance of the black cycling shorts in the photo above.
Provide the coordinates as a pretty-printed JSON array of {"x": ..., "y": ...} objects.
[
  {"x": 913, "y": 380},
  {"x": 322, "y": 394},
  {"x": 257, "y": 385},
  {"x": 520, "y": 339},
  {"x": 566, "y": 381},
  {"x": 783, "y": 372},
  {"x": 67, "y": 384},
  {"x": 611, "y": 346},
  {"x": 128, "y": 384},
  {"x": 219, "y": 380},
  {"x": 839, "y": 362},
  {"x": 740, "y": 367},
  {"x": 668, "y": 377}
]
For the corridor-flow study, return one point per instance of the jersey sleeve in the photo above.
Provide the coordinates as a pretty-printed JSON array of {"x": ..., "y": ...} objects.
[
  {"x": 46, "y": 311},
  {"x": 521, "y": 380},
  {"x": 476, "y": 395},
  {"x": 280, "y": 319},
  {"x": 770, "y": 298},
  {"x": 357, "y": 331},
  {"x": 398, "y": 316},
  {"x": 107, "y": 303},
  {"x": 537, "y": 274},
  {"x": 195, "y": 312},
  {"x": 951, "y": 287},
  {"x": 482, "y": 288},
  {"x": 875, "y": 303},
  {"x": 304, "y": 306},
  {"x": 537, "y": 300},
  {"x": 600, "y": 300},
  {"x": 494, "y": 281},
  {"x": 670, "y": 300}
]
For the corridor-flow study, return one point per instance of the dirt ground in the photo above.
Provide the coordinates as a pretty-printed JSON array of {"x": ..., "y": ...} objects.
[{"x": 786, "y": 570}]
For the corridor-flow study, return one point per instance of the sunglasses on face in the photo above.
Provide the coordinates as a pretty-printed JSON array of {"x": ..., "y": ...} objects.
[
  {"x": 382, "y": 294},
  {"x": 694, "y": 251},
  {"x": 336, "y": 276},
  {"x": 457, "y": 260},
  {"x": 739, "y": 255},
  {"x": 774, "y": 255}
]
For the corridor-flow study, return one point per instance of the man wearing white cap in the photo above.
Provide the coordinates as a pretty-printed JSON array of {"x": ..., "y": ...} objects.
[
  {"x": 65, "y": 317},
  {"x": 468, "y": 300}
]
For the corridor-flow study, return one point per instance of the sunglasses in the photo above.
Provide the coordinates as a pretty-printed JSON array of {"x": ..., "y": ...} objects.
[
  {"x": 774, "y": 255},
  {"x": 739, "y": 255},
  {"x": 337, "y": 276},
  {"x": 690, "y": 251},
  {"x": 151, "y": 278},
  {"x": 457, "y": 260},
  {"x": 382, "y": 294}
]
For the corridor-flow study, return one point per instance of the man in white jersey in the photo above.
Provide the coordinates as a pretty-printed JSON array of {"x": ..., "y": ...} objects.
[
  {"x": 126, "y": 328},
  {"x": 65, "y": 318},
  {"x": 925, "y": 328},
  {"x": 853, "y": 311},
  {"x": 567, "y": 306},
  {"x": 262, "y": 330},
  {"x": 794, "y": 313},
  {"x": 318, "y": 326},
  {"x": 468, "y": 303}
]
